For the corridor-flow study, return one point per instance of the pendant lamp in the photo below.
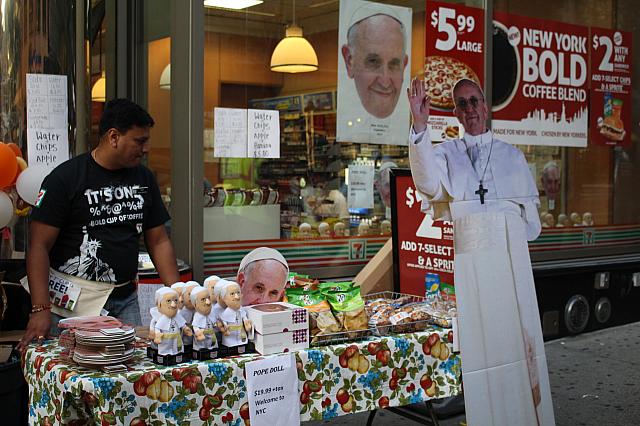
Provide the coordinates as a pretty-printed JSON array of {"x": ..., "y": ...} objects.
[
  {"x": 165, "y": 78},
  {"x": 294, "y": 53},
  {"x": 231, "y": 4},
  {"x": 99, "y": 89}
]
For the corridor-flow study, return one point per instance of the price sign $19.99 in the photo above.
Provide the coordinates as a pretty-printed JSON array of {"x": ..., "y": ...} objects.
[{"x": 267, "y": 391}]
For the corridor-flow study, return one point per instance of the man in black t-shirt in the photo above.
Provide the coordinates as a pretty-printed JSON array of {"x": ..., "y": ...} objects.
[{"x": 86, "y": 224}]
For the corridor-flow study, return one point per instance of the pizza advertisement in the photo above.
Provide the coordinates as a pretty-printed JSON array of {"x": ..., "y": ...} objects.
[
  {"x": 540, "y": 81},
  {"x": 610, "y": 121},
  {"x": 454, "y": 49}
]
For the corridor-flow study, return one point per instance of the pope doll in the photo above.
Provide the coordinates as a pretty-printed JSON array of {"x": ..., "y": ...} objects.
[
  {"x": 205, "y": 343},
  {"x": 210, "y": 283},
  {"x": 178, "y": 287},
  {"x": 235, "y": 326},
  {"x": 169, "y": 327}
]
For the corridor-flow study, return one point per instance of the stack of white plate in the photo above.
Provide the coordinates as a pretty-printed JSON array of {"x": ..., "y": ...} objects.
[{"x": 103, "y": 347}]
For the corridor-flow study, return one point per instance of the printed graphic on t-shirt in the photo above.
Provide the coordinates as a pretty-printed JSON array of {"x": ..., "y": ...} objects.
[
  {"x": 88, "y": 266},
  {"x": 115, "y": 204},
  {"x": 40, "y": 197}
]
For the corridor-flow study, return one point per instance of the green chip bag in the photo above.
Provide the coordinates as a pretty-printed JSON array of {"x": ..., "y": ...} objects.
[
  {"x": 322, "y": 321},
  {"x": 325, "y": 287},
  {"x": 348, "y": 308}
]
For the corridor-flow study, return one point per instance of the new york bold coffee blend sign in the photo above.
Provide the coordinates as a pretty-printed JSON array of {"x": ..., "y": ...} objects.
[{"x": 541, "y": 81}]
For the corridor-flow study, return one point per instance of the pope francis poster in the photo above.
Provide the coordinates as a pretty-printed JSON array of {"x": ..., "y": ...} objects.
[{"x": 374, "y": 43}]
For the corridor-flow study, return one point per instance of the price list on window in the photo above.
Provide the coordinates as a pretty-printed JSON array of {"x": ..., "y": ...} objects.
[{"x": 47, "y": 120}]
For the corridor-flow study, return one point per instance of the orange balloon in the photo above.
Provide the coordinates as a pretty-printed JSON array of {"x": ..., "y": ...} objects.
[
  {"x": 8, "y": 165},
  {"x": 15, "y": 148},
  {"x": 15, "y": 178}
]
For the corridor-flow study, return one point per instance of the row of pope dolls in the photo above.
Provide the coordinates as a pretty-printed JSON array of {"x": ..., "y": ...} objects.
[
  {"x": 190, "y": 314},
  {"x": 305, "y": 230},
  {"x": 549, "y": 221}
]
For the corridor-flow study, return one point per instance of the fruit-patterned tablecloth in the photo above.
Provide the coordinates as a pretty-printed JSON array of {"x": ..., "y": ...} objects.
[{"x": 333, "y": 380}]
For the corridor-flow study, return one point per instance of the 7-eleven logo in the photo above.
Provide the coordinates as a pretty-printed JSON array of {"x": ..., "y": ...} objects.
[
  {"x": 357, "y": 249},
  {"x": 40, "y": 197}
]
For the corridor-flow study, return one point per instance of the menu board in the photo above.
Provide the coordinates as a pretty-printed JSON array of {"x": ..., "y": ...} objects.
[
  {"x": 421, "y": 245},
  {"x": 454, "y": 50},
  {"x": 540, "y": 81},
  {"x": 47, "y": 120},
  {"x": 610, "y": 122}
]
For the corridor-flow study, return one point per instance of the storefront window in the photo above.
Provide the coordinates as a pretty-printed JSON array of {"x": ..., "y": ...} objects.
[
  {"x": 300, "y": 203},
  {"x": 97, "y": 31},
  {"x": 156, "y": 42},
  {"x": 587, "y": 187}
]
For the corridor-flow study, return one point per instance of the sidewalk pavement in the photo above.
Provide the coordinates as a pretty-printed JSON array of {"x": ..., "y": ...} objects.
[{"x": 595, "y": 380}]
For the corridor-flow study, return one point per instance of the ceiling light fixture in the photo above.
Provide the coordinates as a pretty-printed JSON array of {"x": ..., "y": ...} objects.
[
  {"x": 99, "y": 89},
  {"x": 165, "y": 78},
  {"x": 294, "y": 53},
  {"x": 231, "y": 4}
]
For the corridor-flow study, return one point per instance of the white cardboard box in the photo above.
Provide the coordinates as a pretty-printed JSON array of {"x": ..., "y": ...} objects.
[
  {"x": 277, "y": 317},
  {"x": 281, "y": 342}
]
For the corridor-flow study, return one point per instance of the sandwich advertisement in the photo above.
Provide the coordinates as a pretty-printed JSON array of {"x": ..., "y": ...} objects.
[
  {"x": 610, "y": 122},
  {"x": 540, "y": 81},
  {"x": 454, "y": 50}
]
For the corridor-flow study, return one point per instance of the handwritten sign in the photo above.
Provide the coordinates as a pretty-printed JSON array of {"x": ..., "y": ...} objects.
[
  {"x": 272, "y": 385},
  {"x": 230, "y": 132},
  {"x": 360, "y": 186},
  {"x": 241, "y": 133},
  {"x": 47, "y": 120},
  {"x": 147, "y": 300},
  {"x": 264, "y": 133}
]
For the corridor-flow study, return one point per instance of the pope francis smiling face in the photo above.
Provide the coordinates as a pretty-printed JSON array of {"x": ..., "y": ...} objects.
[{"x": 375, "y": 59}]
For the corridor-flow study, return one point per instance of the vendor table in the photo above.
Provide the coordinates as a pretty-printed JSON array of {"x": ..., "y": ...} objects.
[{"x": 332, "y": 381}]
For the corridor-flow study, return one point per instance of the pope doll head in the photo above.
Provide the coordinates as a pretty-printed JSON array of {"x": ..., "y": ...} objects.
[
  {"x": 201, "y": 301},
  {"x": 210, "y": 283},
  {"x": 218, "y": 291},
  {"x": 178, "y": 287},
  {"x": 231, "y": 295},
  {"x": 167, "y": 301},
  {"x": 186, "y": 294}
]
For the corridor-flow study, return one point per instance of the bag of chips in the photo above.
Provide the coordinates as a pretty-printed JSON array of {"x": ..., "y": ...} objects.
[
  {"x": 328, "y": 286},
  {"x": 296, "y": 280},
  {"x": 348, "y": 307},
  {"x": 321, "y": 319}
]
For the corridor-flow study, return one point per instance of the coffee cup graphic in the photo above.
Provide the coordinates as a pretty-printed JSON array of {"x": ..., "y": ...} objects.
[{"x": 506, "y": 64}]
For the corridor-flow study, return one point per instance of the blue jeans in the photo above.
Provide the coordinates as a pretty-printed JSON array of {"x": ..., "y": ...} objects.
[{"x": 125, "y": 309}]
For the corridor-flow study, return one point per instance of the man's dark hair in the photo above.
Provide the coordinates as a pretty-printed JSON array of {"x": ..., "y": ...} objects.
[{"x": 122, "y": 115}]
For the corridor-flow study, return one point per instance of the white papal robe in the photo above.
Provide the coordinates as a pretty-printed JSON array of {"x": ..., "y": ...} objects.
[{"x": 504, "y": 366}]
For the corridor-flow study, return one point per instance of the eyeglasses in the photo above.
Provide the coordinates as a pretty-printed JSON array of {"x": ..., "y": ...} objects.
[{"x": 463, "y": 103}]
